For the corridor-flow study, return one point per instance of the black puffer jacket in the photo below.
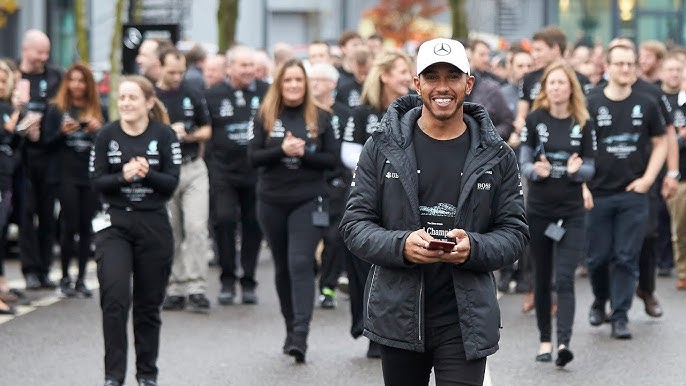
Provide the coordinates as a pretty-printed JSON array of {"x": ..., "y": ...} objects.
[{"x": 383, "y": 209}]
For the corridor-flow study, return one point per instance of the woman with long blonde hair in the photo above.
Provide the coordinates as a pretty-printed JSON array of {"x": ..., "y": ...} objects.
[
  {"x": 557, "y": 157},
  {"x": 293, "y": 144}
]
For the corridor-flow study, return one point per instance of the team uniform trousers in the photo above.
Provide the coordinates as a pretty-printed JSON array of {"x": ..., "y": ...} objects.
[
  {"x": 231, "y": 205},
  {"x": 39, "y": 199},
  {"x": 334, "y": 248},
  {"x": 677, "y": 209},
  {"x": 138, "y": 244},
  {"x": 616, "y": 228},
  {"x": 559, "y": 259},
  {"x": 444, "y": 353},
  {"x": 189, "y": 213},
  {"x": 78, "y": 204},
  {"x": 293, "y": 240}
]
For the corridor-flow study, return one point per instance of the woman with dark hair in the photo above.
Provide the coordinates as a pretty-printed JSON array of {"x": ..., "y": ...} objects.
[
  {"x": 134, "y": 166},
  {"x": 557, "y": 157},
  {"x": 293, "y": 144},
  {"x": 75, "y": 115}
]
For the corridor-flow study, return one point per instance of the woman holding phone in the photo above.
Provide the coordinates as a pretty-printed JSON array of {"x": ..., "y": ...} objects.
[
  {"x": 134, "y": 167},
  {"x": 75, "y": 115},
  {"x": 557, "y": 157},
  {"x": 293, "y": 144}
]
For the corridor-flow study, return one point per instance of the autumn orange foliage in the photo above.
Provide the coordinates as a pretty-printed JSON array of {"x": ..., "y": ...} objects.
[{"x": 404, "y": 20}]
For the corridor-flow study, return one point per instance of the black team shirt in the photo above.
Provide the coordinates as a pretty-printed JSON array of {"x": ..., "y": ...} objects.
[
  {"x": 557, "y": 195},
  {"x": 43, "y": 87},
  {"x": 439, "y": 169},
  {"x": 365, "y": 120},
  {"x": 348, "y": 91},
  {"x": 231, "y": 111},
  {"x": 624, "y": 130},
  {"x": 292, "y": 180},
  {"x": 188, "y": 106},
  {"x": 113, "y": 148},
  {"x": 75, "y": 147}
]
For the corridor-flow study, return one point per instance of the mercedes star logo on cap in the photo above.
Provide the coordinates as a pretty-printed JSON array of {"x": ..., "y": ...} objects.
[{"x": 442, "y": 49}]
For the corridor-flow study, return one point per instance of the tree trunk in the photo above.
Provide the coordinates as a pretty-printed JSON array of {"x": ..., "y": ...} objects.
[
  {"x": 227, "y": 16},
  {"x": 458, "y": 18},
  {"x": 81, "y": 31},
  {"x": 115, "y": 60}
]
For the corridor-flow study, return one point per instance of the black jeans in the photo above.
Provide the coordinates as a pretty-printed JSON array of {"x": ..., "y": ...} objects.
[
  {"x": 334, "y": 248},
  {"x": 138, "y": 243},
  {"x": 78, "y": 204},
  {"x": 444, "y": 353},
  {"x": 39, "y": 199},
  {"x": 559, "y": 259},
  {"x": 293, "y": 240},
  {"x": 225, "y": 204}
]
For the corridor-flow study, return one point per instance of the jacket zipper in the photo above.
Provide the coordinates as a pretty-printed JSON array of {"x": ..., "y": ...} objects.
[
  {"x": 371, "y": 286},
  {"x": 421, "y": 303}
]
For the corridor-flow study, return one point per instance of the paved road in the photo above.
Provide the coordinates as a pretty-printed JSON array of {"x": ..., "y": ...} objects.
[{"x": 60, "y": 343}]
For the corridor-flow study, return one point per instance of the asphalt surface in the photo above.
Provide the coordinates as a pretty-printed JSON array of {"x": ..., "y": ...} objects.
[{"x": 59, "y": 342}]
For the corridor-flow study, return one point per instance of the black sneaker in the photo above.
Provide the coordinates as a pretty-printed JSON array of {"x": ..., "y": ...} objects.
[
  {"x": 198, "y": 303},
  {"x": 82, "y": 290},
  {"x": 147, "y": 382},
  {"x": 67, "y": 288},
  {"x": 32, "y": 282},
  {"x": 174, "y": 303},
  {"x": 249, "y": 296},
  {"x": 112, "y": 382},
  {"x": 298, "y": 347},
  {"x": 226, "y": 296},
  {"x": 327, "y": 299},
  {"x": 46, "y": 283}
]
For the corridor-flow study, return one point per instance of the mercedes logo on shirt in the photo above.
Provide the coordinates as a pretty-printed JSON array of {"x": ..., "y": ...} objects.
[{"x": 442, "y": 49}]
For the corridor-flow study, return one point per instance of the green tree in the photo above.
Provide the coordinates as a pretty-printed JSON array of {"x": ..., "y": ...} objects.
[
  {"x": 227, "y": 17},
  {"x": 458, "y": 18},
  {"x": 81, "y": 30},
  {"x": 115, "y": 59}
]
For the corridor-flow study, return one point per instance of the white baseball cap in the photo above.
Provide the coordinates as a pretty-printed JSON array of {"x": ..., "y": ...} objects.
[{"x": 442, "y": 51}]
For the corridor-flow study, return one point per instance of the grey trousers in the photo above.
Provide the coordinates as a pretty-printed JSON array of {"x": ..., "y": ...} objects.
[{"x": 189, "y": 213}]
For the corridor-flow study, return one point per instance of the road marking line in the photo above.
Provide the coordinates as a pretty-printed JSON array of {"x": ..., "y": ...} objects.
[{"x": 49, "y": 298}]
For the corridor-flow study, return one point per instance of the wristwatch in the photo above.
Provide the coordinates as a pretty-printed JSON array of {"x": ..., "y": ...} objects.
[{"x": 674, "y": 174}]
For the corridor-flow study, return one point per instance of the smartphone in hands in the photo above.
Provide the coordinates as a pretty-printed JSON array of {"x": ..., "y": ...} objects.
[{"x": 445, "y": 246}]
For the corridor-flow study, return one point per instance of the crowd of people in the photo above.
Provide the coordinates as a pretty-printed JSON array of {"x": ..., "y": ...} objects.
[{"x": 211, "y": 153}]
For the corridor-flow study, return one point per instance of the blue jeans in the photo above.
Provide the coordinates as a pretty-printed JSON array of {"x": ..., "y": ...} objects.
[{"x": 616, "y": 228}]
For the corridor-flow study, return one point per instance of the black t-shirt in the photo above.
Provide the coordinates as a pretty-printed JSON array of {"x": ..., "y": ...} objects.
[
  {"x": 365, "y": 121},
  {"x": 624, "y": 130},
  {"x": 43, "y": 87},
  {"x": 341, "y": 118},
  {"x": 530, "y": 86},
  {"x": 349, "y": 92},
  {"x": 74, "y": 148},
  {"x": 292, "y": 180},
  {"x": 231, "y": 111},
  {"x": 679, "y": 114},
  {"x": 557, "y": 195},
  {"x": 188, "y": 106},
  {"x": 646, "y": 88},
  {"x": 439, "y": 188},
  {"x": 9, "y": 143},
  {"x": 113, "y": 148}
]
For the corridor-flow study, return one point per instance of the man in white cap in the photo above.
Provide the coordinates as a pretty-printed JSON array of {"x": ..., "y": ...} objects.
[{"x": 436, "y": 206}]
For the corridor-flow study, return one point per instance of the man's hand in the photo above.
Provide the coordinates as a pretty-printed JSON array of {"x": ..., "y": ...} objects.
[
  {"x": 462, "y": 249},
  {"x": 415, "y": 248},
  {"x": 639, "y": 185},
  {"x": 669, "y": 187}
]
